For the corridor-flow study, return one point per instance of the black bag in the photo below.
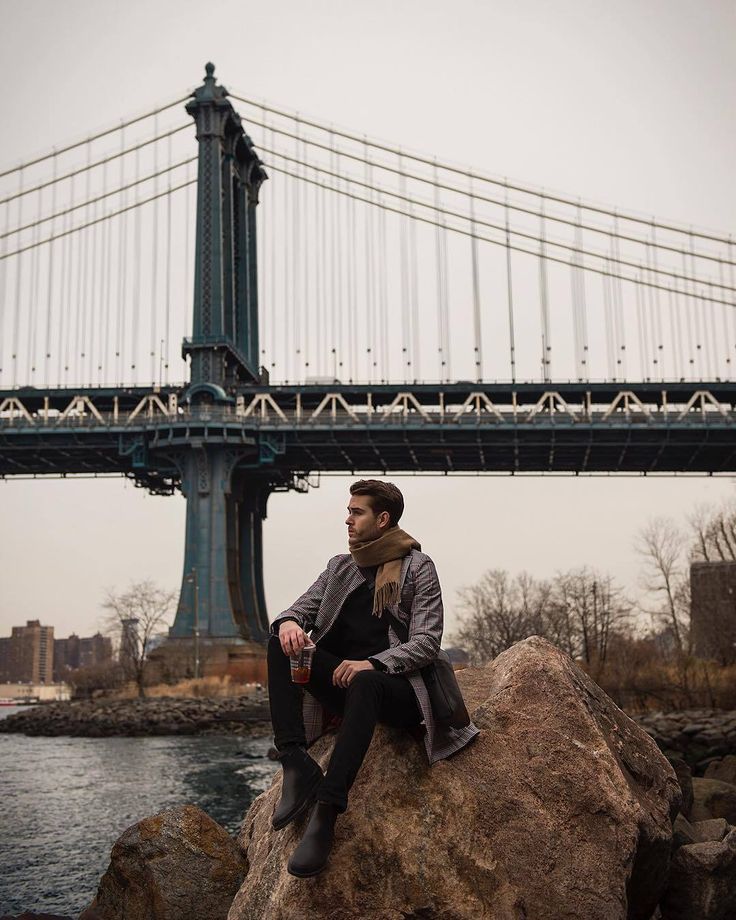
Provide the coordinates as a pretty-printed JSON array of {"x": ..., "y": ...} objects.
[{"x": 445, "y": 696}]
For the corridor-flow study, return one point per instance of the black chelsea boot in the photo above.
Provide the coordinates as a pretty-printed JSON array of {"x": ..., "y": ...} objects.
[
  {"x": 311, "y": 856},
  {"x": 302, "y": 776}
]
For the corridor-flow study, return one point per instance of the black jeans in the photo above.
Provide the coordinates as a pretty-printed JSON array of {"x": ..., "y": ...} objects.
[{"x": 372, "y": 697}]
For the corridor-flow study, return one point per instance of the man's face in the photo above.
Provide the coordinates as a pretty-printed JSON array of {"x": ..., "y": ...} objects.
[{"x": 362, "y": 523}]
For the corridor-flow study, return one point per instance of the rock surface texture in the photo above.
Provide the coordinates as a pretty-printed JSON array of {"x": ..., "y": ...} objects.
[
  {"x": 177, "y": 865},
  {"x": 560, "y": 810}
]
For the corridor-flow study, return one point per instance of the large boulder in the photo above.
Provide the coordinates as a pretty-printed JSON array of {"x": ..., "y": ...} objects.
[
  {"x": 713, "y": 799},
  {"x": 702, "y": 882},
  {"x": 561, "y": 808},
  {"x": 177, "y": 865}
]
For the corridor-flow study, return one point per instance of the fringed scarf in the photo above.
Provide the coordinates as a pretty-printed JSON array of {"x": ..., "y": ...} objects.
[{"x": 386, "y": 552}]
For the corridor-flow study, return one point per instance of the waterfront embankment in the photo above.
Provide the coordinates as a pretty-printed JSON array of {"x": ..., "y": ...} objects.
[{"x": 243, "y": 715}]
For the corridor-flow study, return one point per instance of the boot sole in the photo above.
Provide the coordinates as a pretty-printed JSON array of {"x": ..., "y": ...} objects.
[
  {"x": 301, "y": 874},
  {"x": 306, "y": 803}
]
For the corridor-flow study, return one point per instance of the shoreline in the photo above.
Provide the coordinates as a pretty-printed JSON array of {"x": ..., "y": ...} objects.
[{"x": 155, "y": 716}]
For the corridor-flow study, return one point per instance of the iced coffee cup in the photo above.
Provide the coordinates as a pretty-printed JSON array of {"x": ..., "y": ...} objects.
[{"x": 301, "y": 664}]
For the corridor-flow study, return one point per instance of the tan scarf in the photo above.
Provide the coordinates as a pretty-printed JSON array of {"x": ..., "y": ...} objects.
[{"x": 386, "y": 552}]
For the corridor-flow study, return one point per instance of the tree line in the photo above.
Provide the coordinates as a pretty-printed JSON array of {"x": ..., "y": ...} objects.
[{"x": 642, "y": 651}]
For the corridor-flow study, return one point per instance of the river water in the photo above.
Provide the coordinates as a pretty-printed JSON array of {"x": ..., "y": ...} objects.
[{"x": 65, "y": 801}]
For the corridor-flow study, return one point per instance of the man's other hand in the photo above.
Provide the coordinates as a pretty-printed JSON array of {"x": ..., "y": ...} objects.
[
  {"x": 292, "y": 638},
  {"x": 344, "y": 673}
]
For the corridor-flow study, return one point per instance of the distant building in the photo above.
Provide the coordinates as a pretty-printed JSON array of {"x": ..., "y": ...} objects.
[
  {"x": 28, "y": 654},
  {"x": 75, "y": 652},
  {"x": 713, "y": 610}
]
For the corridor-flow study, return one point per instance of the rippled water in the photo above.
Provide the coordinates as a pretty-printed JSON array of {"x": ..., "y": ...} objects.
[{"x": 64, "y": 802}]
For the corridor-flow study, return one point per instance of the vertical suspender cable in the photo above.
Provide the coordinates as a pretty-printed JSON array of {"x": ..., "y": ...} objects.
[
  {"x": 154, "y": 257},
  {"x": 69, "y": 306},
  {"x": 606, "y": 288},
  {"x": 414, "y": 293},
  {"x": 18, "y": 282},
  {"x": 688, "y": 317},
  {"x": 50, "y": 279},
  {"x": 167, "y": 323},
  {"x": 272, "y": 255},
  {"x": 341, "y": 300},
  {"x": 404, "y": 278},
  {"x": 724, "y": 322},
  {"x": 86, "y": 258},
  {"x": 295, "y": 279},
  {"x": 383, "y": 295},
  {"x": 698, "y": 318},
  {"x": 296, "y": 250},
  {"x": 354, "y": 372},
  {"x": 510, "y": 291},
  {"x": 618, "y": 308},
  {"x": 3, "y": 283},
  {"x": 317, "y": 248},
  {"x": 33, "y": 296},
  {"x": 370, "y": 275},
  {"x": 122, "y": 273},
  {"x": 544, "y": 299},
  {"x": 440, "y": 280},
  {"x": 286, "y": 288},
  {"x": 137, "y": 274},
  {"x": 92, "y": 300},
  {"x": 105, "y": 365},
  {"x": 332, "y": 197},
  {"x": 306, "y": 236},
  {"x": 477, "y": 330}
]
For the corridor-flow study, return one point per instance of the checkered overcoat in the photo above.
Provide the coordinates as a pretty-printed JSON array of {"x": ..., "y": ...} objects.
[{"x": 420, "y": 609}]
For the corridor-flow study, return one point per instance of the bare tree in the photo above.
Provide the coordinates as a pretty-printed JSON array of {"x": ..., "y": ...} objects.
[
  {"x": 594, "y": 608},
  {"x": 494, "y": 613},
  {"x": 714, "y": 534},
  {"x": 138, "y": 615},
  {"x": 663, "y": 547}
]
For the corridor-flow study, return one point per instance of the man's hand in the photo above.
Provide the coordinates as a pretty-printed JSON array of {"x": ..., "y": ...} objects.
[
  {"x": 346, "y": 671},
  {"x": 292, "y": 638}
]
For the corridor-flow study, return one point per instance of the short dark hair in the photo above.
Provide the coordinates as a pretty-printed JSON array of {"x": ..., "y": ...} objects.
[{"x": 384, "y": 496}]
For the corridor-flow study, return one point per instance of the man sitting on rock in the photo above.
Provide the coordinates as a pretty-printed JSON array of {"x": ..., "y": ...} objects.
[{"x": 361, "y": 672}]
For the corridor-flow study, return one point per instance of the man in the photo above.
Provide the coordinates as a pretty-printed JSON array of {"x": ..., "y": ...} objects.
[{"x": 361, "y": 671}]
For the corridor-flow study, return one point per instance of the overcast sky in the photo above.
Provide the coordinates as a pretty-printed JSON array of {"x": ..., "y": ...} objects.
[{"x": 628, "y": 103}]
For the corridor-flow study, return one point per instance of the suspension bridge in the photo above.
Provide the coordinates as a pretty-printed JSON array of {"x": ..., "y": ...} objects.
[{"x": 367, "y": 308}]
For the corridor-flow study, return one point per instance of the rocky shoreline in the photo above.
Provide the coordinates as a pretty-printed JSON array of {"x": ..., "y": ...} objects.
[
  {"x": 244, "y": 715},
  {"x": 698, "y": 736}
]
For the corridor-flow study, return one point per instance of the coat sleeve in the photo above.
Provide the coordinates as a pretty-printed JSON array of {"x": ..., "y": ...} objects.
[
  {"x": 304, "y": 609},
  {"x": 425, "y": 626}
]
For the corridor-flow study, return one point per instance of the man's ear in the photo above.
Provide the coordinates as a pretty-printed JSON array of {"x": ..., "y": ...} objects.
[{"x": 384, "y": 519}]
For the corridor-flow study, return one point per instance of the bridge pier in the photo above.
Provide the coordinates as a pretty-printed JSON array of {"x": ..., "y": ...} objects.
[{"x": 222, "y": 595}]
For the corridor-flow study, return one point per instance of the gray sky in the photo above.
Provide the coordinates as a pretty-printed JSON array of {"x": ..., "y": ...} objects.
[{"x": 630, "y": 104}]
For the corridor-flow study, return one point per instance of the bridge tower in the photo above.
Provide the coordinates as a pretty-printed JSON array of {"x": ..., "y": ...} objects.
[{"x": 222, "y": 596}]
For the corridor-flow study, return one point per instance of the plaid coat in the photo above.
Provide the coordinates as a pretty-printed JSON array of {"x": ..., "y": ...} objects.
[{"x": 420, "y": 609}]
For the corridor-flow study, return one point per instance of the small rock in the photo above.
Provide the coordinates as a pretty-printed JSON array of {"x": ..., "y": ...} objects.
[
  {"x": 723, "y": 769},
  {"x": 682, "y": 832},
  {"x": 712, "y": 829},
  {"x": 702, "y": 884},
  {"x": 713, "y": 799}
]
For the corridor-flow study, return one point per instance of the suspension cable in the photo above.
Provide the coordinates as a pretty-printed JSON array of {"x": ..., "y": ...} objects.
[
  {"x": 549, "y": 258},
  {"x": 93, "y": 165},
  {"x": 97, "y": 220},
  {"x": 503, "y": 183},
  {"x": 92, "y": 137},
  {"x": 491, "y": 226},
  {"x": 98, "y": 198},
  {"x": 532, "y": 212}
]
